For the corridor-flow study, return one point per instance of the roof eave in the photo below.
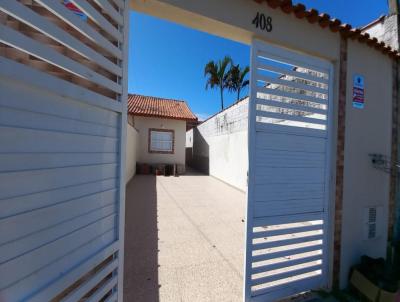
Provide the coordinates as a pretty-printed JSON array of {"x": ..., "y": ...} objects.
[
  {"x": 164, "y": 117},
  {"x": 335, "y": 25}
]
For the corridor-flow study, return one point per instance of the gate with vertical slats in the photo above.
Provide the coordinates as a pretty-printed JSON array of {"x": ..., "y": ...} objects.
[
  {"x": 289, "y": 134},
  {"x": 63, "y": 67}
]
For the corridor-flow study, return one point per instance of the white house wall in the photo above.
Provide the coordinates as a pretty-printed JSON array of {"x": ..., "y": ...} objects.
[
  {"x": 368, "y": 131},
  {"x": 221, "y": 143},
  {"x": 229, "y": 159},
  {"x": 143, "y": 124},
  {"x": 386, "y": 30},
  {"x": 131, "y": 152},
  {"x": 189, "y": 139}
]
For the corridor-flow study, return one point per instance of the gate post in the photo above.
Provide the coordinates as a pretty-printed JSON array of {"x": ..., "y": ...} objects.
[{"x": 341, "y": 129}]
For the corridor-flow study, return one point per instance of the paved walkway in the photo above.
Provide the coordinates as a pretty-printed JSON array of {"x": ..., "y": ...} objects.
[{"x": 184, "y": 240}]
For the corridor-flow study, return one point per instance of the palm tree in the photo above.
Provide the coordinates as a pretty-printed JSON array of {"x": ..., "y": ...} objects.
[
  {"x": 218, "y": 74},
  {"x": 236, "y": 81}
]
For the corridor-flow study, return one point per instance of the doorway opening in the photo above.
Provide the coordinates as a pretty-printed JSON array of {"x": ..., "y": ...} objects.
[
  {"x": 273, "y": 145},
  {"x": 69, "y": 57},
  {"x": 184, "y": 235}
]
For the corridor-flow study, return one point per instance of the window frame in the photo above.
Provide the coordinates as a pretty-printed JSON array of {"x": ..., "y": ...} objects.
[{"x": 161, "y": 130}]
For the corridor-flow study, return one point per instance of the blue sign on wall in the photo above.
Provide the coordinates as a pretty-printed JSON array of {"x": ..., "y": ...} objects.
[{"x": 358, "y": 91}]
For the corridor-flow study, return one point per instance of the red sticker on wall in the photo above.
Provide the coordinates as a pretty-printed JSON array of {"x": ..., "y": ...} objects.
[{"x": 72, "y": 7}]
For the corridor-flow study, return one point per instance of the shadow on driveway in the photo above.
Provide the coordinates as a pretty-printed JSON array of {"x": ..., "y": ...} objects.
[
  {"x": 184, "y": 239},
  {"x": 141, "y": 243}
]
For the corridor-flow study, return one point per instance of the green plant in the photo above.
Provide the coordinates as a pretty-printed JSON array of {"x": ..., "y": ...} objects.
[
  {"x": 236, "y": 79},
  {"x": 217, "y": 74}
]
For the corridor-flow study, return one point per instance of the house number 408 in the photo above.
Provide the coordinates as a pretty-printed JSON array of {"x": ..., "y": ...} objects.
[{"x": 262, "y": 22}]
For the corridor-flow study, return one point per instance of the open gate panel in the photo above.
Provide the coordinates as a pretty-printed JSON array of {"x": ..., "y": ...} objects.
[
  {"x": 62, "y": 124},
  {"x": 289, "y": 124}
]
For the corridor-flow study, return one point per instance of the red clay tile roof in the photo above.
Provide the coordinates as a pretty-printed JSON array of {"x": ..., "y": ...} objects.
[
  {"x": 335, "y": 25},
  {"x": 159, "y": 107}
]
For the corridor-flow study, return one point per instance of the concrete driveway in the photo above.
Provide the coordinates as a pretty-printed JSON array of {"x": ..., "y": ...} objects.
[{"x": 184, "y": 240}]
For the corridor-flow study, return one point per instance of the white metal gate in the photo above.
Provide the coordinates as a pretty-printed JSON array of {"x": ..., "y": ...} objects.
[
  {"x": 287, "y": 215},
  {"x": 62, "y": 141}
]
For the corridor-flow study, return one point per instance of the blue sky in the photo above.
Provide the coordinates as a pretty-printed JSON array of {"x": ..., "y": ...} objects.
[{"x": 167, "y": 60}]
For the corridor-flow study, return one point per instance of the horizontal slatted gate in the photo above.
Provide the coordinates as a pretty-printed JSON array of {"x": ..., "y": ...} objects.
[
  {"x": 288, "y": 174},
  {"x": 62, "y": 125}
]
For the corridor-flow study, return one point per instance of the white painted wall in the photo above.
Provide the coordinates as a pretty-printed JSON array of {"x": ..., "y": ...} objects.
[
  {"x": 385, "y": 30},
  {"x": 229, "y": 158},
  {"x": 131, "y": 152},
  {"x": 143, "y": 124},
  {"x": 189, "y": 139},
  {"x": 221, "y": 143},
  {"x": 368, "y": 131}
]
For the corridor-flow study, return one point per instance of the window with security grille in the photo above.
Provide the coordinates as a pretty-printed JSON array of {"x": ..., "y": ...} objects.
[{"x": 161, "y": 141}]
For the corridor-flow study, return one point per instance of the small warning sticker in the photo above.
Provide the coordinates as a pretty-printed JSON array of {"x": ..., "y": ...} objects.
[{"x": 72, "y": 7}]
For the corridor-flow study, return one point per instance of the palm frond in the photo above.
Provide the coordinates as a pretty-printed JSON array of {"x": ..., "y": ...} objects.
[
  {"x": 244, "y": 72},
  {"x": 236, "y": 78},
  {"x": 211, "y": 71},
  {"x": 210, "y": 68},
  {"x": 218, "y": 75}
]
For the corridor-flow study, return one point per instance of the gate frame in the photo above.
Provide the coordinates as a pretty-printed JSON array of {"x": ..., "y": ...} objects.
[
  {"x": 122, "y": 151},
  {"x": 299, "y": 57}
]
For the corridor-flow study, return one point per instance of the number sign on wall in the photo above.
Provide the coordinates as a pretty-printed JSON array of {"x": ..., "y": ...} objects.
[{"x": 263, "y": 22}]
